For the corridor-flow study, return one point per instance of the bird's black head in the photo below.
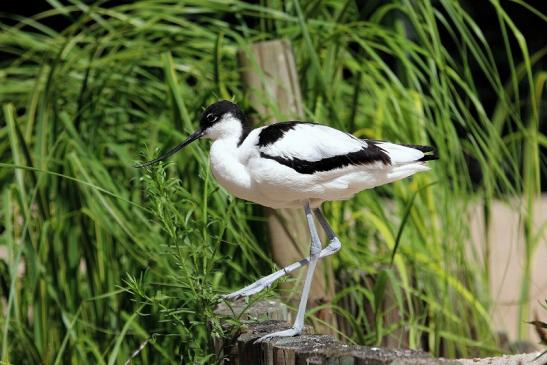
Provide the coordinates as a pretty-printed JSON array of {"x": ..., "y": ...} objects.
[
  {"x": 215, "y": 112},
  {"x": 217, "y": 120}
]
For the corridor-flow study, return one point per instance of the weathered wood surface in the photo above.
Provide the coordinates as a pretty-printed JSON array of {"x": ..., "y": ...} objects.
[
  {"x": 268, "y": 316},
  {"x": 263, "y": 317},
  {"x": 315, "y": 349},
  {"x": 269, "y": 74}
]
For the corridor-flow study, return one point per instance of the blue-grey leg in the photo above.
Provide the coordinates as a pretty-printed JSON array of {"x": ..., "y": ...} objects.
[
  {"x": 315, "y": 250},
  {"x": 334, "y": 243},
  {"x": 261, "y": 284}
]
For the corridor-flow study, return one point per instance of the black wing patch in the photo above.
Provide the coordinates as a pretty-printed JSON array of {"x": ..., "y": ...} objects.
[
  {"x": 274, "y": 132},
  {"x": 366, "y": 155}
]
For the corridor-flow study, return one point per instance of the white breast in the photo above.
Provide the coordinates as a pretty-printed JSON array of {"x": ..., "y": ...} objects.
[{"x": 228, "y": 170}]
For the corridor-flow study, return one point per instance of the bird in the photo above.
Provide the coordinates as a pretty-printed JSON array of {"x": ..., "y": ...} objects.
[{"x": 297, "y": 164}]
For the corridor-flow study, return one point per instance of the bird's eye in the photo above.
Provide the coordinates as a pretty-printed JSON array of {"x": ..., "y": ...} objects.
[{"x": 210, "y": 118}]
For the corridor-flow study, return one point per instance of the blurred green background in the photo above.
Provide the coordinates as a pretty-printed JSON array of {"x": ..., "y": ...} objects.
[{"x": 98, "y": 258}]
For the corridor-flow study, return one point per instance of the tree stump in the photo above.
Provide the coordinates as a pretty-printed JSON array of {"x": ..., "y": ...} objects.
[{"x": 261, "y": 318}]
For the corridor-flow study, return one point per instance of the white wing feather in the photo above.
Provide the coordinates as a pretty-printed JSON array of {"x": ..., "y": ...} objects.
[
  {"x": 399, "y": 154},
  {"x": 313, "y": 142}
]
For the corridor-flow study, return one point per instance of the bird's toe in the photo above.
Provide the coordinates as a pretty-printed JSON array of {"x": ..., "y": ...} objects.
[{"x": 286, "y": 333}]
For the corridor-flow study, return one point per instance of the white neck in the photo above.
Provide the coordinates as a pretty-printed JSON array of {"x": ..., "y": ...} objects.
[
  {"x": 226, "y": 155},
  {"x": 229, "y": 129}
]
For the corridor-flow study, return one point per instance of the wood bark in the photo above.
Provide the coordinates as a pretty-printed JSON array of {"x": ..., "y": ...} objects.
[{"x": 308, "y": 348}]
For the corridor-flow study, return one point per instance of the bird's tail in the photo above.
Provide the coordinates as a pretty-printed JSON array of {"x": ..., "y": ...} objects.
[
  {"x": 426, "y": 150},
  {"x": 401, "y": 154}
]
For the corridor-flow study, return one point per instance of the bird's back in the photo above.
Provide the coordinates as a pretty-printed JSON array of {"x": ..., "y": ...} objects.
[{"x": 294, "y": 161}]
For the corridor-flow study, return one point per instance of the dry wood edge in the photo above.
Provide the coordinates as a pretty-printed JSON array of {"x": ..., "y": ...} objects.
[
  {"x": 267, "y": 316},
  {"x": 259, "y": 318}
]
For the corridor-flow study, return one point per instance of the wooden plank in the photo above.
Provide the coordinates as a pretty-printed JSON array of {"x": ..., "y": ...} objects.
[
  {"x": 272, "y": 89},
  {"x": 323, "y": 349},
  {"x": 320, "y": 349}
]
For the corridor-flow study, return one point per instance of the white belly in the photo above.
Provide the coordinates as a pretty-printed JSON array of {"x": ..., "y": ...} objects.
[
  {"x": 281, "y": 186},
  {"x": 230, "y": 173},
  {"x": 266, "y": 182}
]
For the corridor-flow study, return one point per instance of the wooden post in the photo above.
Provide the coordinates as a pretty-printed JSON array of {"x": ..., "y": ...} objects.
[
  {"x": 265, "y": 310},
  {"x": 319, "y": 350},
  {"x": 271, "y": 81},
  {"x": 270, "y": 316},
  {"x": 308, "y": 348}
]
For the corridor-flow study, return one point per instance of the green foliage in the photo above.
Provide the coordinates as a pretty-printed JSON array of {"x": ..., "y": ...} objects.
[{"x": 98, "y": 259}]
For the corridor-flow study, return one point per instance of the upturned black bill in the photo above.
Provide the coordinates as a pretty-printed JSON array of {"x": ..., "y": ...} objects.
[{"x": 173, "y": 150}]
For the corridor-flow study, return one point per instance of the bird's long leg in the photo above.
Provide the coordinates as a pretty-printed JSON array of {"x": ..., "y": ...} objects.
[
  {"x": 266, "y": 281},
  {"x": 334, "y": 243},
  {"x": 315, "y": 250},
  {"x": 263, "y": 283}
]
